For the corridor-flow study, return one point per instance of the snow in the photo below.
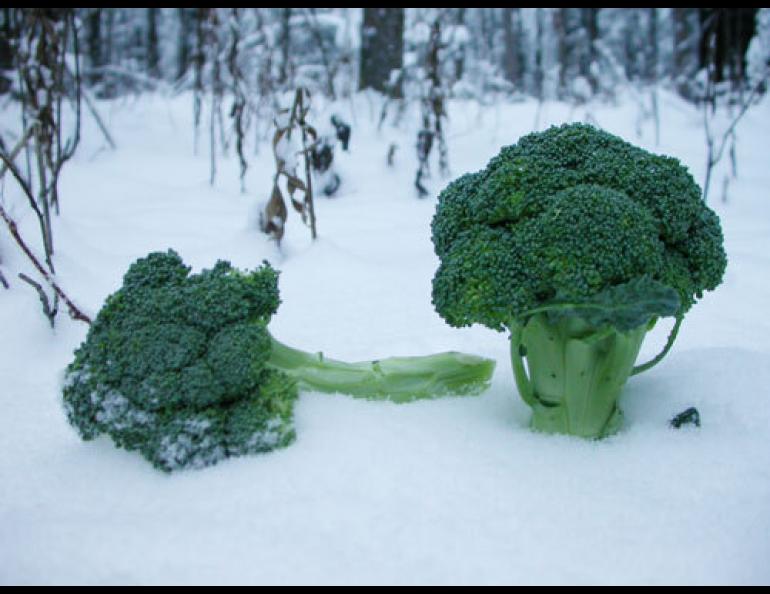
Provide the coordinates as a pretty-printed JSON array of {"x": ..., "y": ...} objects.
[{"x": 451, "y": 491}]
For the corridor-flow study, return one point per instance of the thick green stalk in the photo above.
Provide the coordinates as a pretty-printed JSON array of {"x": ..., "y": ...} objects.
[
  {"x": 576, "y": 374},
  {"x": 400, "y": 379}
]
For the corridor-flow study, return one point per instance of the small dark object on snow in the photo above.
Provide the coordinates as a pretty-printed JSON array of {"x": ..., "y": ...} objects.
[
  {"x": 424, "y": 144},
  {"x": 392, "y": 154},
  {"x": 332, "y": 185},
  {"x": 343, "y": 131},
  {"x": 691, "y": 416},
  {"x": 322, "y": 156}
]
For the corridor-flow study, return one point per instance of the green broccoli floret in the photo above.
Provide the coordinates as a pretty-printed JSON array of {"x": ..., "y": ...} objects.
[
  {"x": 175, "y": 366},
  {"x": 181, "y": 367},
  {"x": 573, "y": 223}
]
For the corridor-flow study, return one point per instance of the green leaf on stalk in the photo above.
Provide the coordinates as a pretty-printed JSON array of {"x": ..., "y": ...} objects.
[{"x": 623, "y": 307}]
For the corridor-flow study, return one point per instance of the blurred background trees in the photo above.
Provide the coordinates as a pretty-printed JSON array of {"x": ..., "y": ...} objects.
[{"x": 563, "y": 53}]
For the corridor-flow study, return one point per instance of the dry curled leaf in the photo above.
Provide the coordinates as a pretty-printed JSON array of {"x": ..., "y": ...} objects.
[
  {"x": 300, "y": 208},
  {"x": 273, "y": 219},
  {"x": 294, "y": 183},
  {"x": 278, "y": 135}
]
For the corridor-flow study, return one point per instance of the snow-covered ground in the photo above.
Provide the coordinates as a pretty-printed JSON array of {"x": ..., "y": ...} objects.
[{"x": 452, "y": 491}]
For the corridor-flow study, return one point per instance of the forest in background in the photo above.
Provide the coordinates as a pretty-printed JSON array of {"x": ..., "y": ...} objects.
[
  {"x": 253, "y": 75},
  {"x": 565, "y": 53}
]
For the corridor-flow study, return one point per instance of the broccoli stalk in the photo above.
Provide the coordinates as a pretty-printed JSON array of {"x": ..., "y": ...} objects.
[
  {"x": 400, "y": 379},
  {"x": 580, "y": 355},
  {"x": 576, "y": 242},
  {"x": 182, "y": 368},
  {"x": 576, "y": 374}
]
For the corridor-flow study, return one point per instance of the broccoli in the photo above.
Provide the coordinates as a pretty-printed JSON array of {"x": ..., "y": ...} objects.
[
  {"x": 182, "y": 368},
  {"x": 576, "y": 242}
]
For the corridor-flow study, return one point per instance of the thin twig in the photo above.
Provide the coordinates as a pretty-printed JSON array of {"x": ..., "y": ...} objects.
[
  {"x": 74, "y": 312},
  {"x": 92, "y": 108},
  {"x": 744, "y": 108},
  {"x": 311, "y": 20},
  {"x": 238, "y": 111},
  {"x": 65, "y": 152},
  {"x": 50, "y": 312},
  {"x": 714, "y": 151},
  {"x": 43, "y": 191},
  {"x": 308, "y": 178},
  {"x": 27, "y": 190},
  {"x": 17, "y": 149}
]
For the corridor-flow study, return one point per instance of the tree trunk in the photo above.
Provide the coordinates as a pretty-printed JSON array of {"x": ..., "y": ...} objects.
[
  {"x": 382, "y": 49},
  {"x": 487, "y": 33},
  {"x": 285, "y": 43},
  {"x": 590, "y": 18},
  {"x": 539, "y": 73},
  {"x": 512, "y": 63},
  {"x": 732, "y": 30},
  {"x": 153, "y": 55},
  {"x": 686, "y": 52},
  {"x": 560, "y": 28},
  {"x": 7, "y": 35},
  {"x": 630, "y": 44},
  {"x": 94, "y": 43},
  {"x": 652, "y": 46},
  {"x": 199, "y": 61},
  {"x": 459, "y": 61},
  {"x": 6, "y": 56},
  {"x": 108, "y": 53},
  {"x": 183, "y": 44}
]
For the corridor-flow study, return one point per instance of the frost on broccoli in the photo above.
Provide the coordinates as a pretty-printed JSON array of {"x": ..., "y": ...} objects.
[
  {"x": 175, "y": 366},
  {"x": 182, "y": 368},
  {"x": 573, "y": 222}
]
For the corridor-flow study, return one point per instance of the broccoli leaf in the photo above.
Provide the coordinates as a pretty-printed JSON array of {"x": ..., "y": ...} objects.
[{"x": 624, "y": 307}]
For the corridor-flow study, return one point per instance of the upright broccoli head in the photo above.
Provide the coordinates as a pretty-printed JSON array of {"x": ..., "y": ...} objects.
[
  {"x": 175, "y": 366},
  {"x": 564, "y": 215},
  {"x": 576, "y": 242}
]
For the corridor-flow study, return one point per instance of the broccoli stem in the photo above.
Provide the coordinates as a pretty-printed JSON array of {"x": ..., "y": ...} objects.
[
  {"x": 660, "y": 356},
  {"x": 576, "y": 374},
  {"x": 400, "y": 379}
]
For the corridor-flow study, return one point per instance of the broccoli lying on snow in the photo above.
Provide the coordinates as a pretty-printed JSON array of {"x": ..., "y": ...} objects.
[
  {"x": 576, "y": 242},
  {"x": 183, "y": 369}
]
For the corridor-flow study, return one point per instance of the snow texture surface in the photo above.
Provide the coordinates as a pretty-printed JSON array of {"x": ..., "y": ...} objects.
[{"x": 452, "y": 491}]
